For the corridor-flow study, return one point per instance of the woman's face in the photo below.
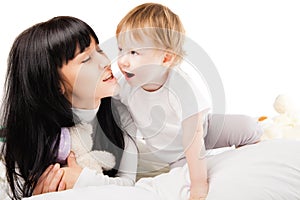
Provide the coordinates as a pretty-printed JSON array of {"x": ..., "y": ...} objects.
[{"x": 88, "y": 77}]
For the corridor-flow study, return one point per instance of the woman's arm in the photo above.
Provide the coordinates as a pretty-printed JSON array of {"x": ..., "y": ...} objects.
[{"x": 195, "y": 155}]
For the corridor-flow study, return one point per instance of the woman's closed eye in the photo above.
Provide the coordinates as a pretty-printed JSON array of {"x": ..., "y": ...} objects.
[
  {"x": 86, "y": 60},
  {"x": 98, "y": 50}
]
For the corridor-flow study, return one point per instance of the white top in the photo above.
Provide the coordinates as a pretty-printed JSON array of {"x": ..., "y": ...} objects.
[
  {"x": 128, "y": 165},
  {"x": 159, "y": 115}
]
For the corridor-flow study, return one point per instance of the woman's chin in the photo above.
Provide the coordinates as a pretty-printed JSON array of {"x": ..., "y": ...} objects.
[{"x": 113, "y": 92}]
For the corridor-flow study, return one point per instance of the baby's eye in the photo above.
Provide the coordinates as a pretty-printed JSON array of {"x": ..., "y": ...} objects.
[
  {"x": 134, "y": 53},
  {"x": 120, "y": 49},
  {"x": 86, "y": 60}
]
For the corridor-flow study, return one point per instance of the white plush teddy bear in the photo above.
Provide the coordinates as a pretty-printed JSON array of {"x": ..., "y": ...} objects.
[
  {"x": 79, "y": 140},
  {"x": 286, "y": 124}
]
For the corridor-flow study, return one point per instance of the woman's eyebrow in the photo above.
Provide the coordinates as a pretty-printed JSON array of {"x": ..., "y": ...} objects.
[
  {"x": 85, "y": 51},
  {"x": 77, "y": 52}
]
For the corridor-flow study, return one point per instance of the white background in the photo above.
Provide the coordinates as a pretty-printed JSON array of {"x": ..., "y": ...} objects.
[{"x": 255, "y": 45}]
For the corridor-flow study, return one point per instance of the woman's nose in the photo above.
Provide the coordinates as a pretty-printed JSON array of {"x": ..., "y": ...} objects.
[{"x": 104, "y": 61}]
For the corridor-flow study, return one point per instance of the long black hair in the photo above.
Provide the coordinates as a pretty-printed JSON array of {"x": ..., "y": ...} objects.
[{"x": 34, "y": 108}]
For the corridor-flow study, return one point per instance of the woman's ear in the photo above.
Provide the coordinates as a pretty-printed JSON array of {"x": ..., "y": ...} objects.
[
  {"x": 168, "y": 59},
  {"x": 62, "y": 88}
]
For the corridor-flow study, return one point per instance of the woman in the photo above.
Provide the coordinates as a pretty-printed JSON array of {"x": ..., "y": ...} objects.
[{"x": 58, "y": 76}]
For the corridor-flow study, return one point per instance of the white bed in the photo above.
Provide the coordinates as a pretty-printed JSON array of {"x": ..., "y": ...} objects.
[{"x": 264, "y": 171}]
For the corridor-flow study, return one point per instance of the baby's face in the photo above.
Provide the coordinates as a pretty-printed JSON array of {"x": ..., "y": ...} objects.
[{"x": 141, "y": 62}]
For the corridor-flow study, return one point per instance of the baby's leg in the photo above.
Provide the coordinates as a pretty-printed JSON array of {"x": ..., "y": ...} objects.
[{"x": 228, "y": 130}]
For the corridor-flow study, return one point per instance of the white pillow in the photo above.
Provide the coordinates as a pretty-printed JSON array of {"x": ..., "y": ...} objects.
[
  {"x": 268, "y": 170},
  {"x": 107, "y": 192},
  {"x": 264, "y": 171}
]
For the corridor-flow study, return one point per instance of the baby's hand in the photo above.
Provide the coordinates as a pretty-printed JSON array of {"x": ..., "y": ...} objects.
[
  {"x": 197, "y": 198},
  {"x": 199, "y": 193}
]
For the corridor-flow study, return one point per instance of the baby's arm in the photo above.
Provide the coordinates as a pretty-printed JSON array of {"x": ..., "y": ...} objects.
[
  {"x": 195, "y": 155},
  {"x": 126, "y": 174}
]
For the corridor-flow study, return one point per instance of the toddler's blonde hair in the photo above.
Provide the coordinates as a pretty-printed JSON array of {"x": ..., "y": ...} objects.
[{"x": 157, "y": 22}]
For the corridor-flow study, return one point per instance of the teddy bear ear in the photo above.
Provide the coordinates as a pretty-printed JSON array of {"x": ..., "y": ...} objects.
[
  {"x": 87, "y": 127},
  {"x": 82, "y": 127},
  {"x": 283, "y": 104}
]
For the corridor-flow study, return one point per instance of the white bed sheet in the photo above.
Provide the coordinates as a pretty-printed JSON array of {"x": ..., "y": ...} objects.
[{"x": 265, "y": 171}]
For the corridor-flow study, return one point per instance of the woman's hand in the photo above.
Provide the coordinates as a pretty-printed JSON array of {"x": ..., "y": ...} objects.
[
  {"x": 50, "y": 181},
  {"x": 57, "y": 179},
  {"x": 71, "y": 172}
]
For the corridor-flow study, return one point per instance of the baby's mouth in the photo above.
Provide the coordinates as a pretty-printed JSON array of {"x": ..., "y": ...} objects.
[{"x": 129, "y": 75}]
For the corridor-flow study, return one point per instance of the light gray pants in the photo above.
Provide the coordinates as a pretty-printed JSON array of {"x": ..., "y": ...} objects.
[
  {"x": 219, "y": 131},
  {"x": 227, "y": 130}
]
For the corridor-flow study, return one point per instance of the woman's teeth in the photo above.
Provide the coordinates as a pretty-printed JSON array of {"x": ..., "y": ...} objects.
[{"x": 109, "y": 77}]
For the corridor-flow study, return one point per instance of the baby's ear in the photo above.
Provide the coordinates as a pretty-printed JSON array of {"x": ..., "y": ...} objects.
[{"x": 168, "y": 59}]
